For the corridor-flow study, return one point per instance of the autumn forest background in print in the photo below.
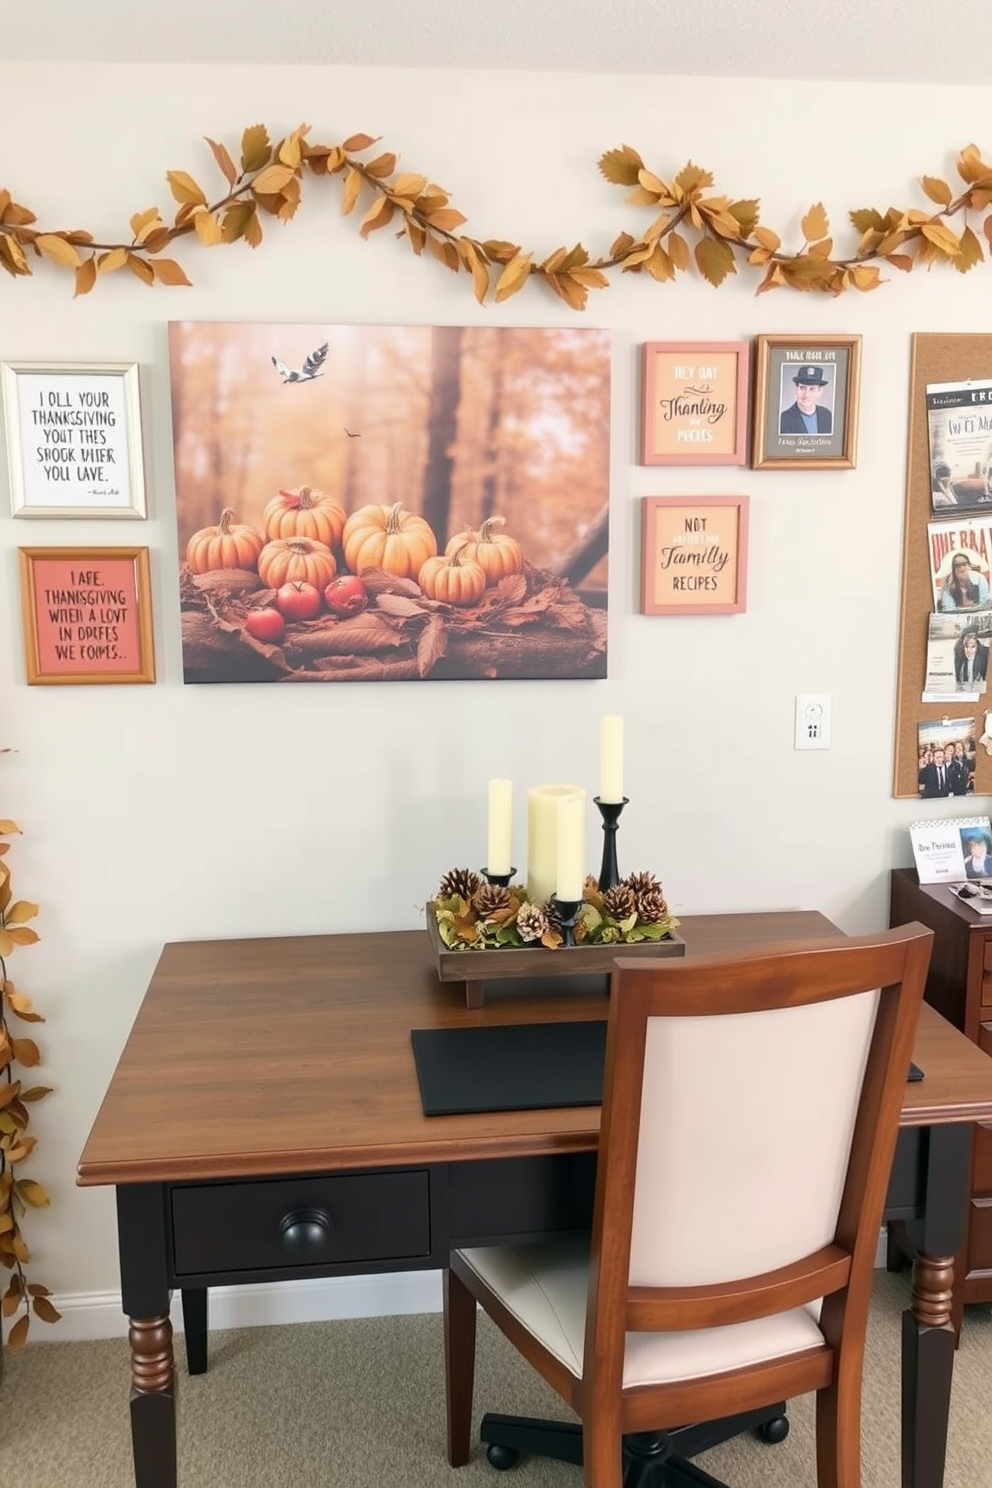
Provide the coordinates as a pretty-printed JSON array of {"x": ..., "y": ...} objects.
[{"x": 457, "y": 426}]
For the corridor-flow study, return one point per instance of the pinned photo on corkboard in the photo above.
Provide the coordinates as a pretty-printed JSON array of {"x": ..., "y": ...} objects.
[
  {"x": 391, "y": 503},
  {"x": 87, "y": 615}
]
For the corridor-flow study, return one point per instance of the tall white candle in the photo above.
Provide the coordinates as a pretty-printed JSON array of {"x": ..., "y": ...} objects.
[
  {"x": 542, "y": 837},
  {"x": 570, "y": 864},
  {"x": 500, "y": 826},
  {"x": 611, "y": 758}
]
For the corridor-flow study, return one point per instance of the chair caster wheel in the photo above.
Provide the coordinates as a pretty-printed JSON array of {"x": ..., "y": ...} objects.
[
  {"x": 500, "y": 1457},
  {"x": 774, "y": 1431}
]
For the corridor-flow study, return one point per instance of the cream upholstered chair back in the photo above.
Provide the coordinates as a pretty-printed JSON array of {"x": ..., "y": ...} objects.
[{"x": 745, "y": 1131}]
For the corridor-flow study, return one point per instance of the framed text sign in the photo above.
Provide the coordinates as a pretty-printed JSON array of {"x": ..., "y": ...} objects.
[
  {"x": 73, "y": 439},
  {"x": 694, "y": 403},
  {"x": 694, "y": 557},
  {"x": 87, "y": 615}
]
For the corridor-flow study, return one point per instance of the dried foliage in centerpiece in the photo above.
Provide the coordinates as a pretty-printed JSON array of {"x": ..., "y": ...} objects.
[
  {"x": 18, "y": 1193},
  {"x": 473, "y": 915},
  {"x": 692, "y": 225}
]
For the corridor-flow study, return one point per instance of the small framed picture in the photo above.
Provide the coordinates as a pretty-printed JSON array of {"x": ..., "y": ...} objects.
[
  {"x": 73, "y": 439},
  {"x": 806, "y": 402},
  {"x": 87, "y": 615},
  {"x": 694, "y": 559},
  {"x": 694, "y": 403}
]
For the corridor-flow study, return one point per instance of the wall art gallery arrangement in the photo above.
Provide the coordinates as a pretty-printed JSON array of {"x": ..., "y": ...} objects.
[{"x": 378, "y": 503}]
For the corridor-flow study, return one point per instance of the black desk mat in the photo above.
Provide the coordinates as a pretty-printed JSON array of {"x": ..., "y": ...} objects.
[{"x": 509, "y": 1067}]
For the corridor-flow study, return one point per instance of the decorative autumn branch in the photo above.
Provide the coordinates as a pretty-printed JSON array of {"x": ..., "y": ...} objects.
[
  {"x": 17, "y": 1193},
  {"x": 689, "y": 227}
]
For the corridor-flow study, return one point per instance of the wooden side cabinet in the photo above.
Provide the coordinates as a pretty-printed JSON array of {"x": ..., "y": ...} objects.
[{"x": 959, "y": 986}]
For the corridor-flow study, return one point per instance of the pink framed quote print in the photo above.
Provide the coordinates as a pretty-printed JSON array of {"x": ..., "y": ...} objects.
[
  {"x": 694, "y": 403},
  {"x": 694, "y": 559}
]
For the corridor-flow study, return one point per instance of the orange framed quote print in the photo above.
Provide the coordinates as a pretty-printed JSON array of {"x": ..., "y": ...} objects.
[
  {"x": 694, "y": 559},
  {"x": 694, "y": 403},
  {"x": 87, "y": 615}
]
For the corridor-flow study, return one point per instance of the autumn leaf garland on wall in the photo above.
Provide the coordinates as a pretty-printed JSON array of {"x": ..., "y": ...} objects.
[
  {"x": 18, "y": 1193},
  {"x": 692, "y": 225}
]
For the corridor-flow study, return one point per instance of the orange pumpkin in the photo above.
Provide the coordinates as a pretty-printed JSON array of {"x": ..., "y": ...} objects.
[
  {"x": 454, "y": 580},
  {"x": 230, "y": 544},
  {"x": 304, "y": 512},
  {"x": 388, "y": 537},
  {"x": 290, "y": 560},
  {"x": 497, "y": 554}
]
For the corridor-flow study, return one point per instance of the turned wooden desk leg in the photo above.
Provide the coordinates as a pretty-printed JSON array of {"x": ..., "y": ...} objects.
[
  {"x": 927, "y": 1332},
  {"x": 142, "y": 1240}
]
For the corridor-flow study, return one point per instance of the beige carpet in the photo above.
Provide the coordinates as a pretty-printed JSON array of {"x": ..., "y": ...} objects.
[{"x": 359, "y": 1405}]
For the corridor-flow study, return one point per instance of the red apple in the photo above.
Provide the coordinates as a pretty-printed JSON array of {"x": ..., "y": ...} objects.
[
  {"x": 265, "y": 625},
  {"x": 346, "y": 595},
  {"x": 298, "y": 600}
]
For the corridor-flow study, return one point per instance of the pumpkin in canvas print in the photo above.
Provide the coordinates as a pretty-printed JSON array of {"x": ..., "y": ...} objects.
[
  {"x": 288, "y": 560},
  {"x": 455, "y": 580},
  {"x": 497, "y": 553},
  {"x": 388, "y": 537},
  {"x": 304, "y": 512},
  {"x": 230, "y": 544}
]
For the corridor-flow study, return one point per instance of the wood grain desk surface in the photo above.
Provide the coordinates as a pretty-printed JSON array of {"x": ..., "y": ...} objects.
[{"x": 292, "y": 1054}]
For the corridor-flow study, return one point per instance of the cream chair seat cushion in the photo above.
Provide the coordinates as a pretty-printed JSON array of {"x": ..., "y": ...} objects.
[{"x": 545, "y": 1288}]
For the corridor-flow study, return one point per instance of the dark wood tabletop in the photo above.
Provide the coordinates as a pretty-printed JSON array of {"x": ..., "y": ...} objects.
[{"x": 292, "y": 1054}]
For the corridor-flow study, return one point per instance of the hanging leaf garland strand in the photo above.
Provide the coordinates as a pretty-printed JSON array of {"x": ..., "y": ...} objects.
[{"x": 690, "y": 227}]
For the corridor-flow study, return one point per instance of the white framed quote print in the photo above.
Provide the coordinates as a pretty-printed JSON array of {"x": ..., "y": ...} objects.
[{"x": 73, "y": 439}]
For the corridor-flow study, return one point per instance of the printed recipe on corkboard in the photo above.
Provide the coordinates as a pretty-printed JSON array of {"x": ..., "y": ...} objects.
[
  {"x": 87, "y": 615},
  {"x": 694, "y": 559}
]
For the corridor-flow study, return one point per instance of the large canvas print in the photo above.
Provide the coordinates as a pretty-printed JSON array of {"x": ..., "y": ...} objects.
[{"x": 391, "y": 503}]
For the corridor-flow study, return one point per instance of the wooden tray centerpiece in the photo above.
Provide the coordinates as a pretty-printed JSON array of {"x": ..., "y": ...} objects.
[{"x": 482, "y": 932}]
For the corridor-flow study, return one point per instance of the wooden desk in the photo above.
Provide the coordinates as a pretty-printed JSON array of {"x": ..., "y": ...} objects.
[{"x": 264, "y": 1123}]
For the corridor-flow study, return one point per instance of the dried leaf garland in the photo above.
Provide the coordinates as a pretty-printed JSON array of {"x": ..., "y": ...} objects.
[
  {"x": 691, "y": 226},
  {"x": 18, "y": 1193}
]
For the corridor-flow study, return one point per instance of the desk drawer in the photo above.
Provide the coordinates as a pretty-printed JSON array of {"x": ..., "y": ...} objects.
[{"x": 282, "y": 1223}]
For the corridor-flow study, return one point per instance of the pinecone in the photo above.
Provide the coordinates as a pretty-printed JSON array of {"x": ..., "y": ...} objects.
[
  {"x": 550, "y": 911},
  {"x": 532, "y": 922},
  {"x": 651, "y": 906},
  {"x": 489, "y": 898},
  {"x": 620, "y": 902},
  {"x": 458, "y": 881},
  {"x": 642, "y": 883}
]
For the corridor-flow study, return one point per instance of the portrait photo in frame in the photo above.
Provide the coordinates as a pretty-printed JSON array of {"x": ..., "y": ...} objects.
[
  {"x": 87, "y": 615},
  {"x": 73, "y": 432},
  {"x": 806, "y": 402},
  {"x": 694, "y": 555},
  {"x": 694, "y": 403}
]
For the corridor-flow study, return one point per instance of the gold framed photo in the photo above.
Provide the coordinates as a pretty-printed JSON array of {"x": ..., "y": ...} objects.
[{"x": 806, "y": 402}]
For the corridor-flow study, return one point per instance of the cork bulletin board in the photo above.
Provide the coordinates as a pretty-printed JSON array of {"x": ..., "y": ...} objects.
[{"x": 935, "y": 358}]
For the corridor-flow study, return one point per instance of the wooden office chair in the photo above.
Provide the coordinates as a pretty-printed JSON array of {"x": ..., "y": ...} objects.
[{"x": 750, "y": 1113}]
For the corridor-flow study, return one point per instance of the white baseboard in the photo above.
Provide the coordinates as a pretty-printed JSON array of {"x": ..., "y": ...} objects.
[{"x": 87, "y": 1315}]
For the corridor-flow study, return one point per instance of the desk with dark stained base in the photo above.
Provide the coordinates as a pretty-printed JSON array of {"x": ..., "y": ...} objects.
[{"x": 264, "y": 1123}]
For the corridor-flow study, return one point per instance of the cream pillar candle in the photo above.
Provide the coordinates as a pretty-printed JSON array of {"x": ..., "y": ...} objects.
[
  {"x": 570, "y": 866},
  {"x": 500, "y": 824},
  {"x": 542, "y": 837},
  {"x": 611, "y": 759}
]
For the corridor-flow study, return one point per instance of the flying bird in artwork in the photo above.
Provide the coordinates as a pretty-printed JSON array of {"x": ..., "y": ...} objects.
[{"x": 311, "y": 367}]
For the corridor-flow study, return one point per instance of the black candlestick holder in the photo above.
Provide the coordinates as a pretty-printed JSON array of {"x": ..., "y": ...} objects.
[
  {"x": 609, "y": 873},
  {"x": 567, "y": 911},
  {"x": 501, "y": 880}
]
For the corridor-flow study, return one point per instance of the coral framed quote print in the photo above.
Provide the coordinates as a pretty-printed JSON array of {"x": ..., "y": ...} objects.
[
  {"x": 73, "y": 439},
  {"x": 87, "y": 615},
  {"x": 806, "y": 402},
  {"x": 694, "y": 559},
  {"x": 694, "y": 403}
]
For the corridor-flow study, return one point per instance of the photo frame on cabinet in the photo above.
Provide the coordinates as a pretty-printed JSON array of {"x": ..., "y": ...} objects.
[
  {"x": 694, "y": 402},
  {"x": 806, "y": 402},
  {"x": 73, "y": 434},
  {"x": 694, "y": 555},
  {"x": 87, "y": 615}
]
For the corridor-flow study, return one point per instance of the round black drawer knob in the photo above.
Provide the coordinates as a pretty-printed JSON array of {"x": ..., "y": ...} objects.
[{"x": 305, "y": 1232}]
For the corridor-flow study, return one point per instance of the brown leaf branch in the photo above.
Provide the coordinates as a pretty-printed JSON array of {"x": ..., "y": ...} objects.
[
  {"x": 18, "y": 1193},
  {"x": 692, "y": 226}
]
